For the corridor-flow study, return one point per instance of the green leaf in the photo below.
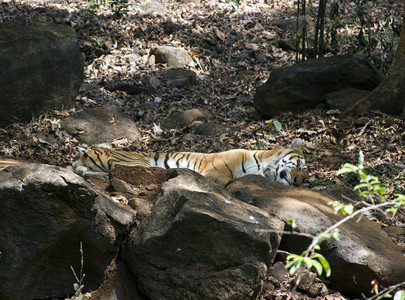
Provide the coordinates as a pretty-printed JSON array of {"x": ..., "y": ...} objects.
[
  {"x": 309, "y": 262},
  {"x": 360, "y": 186},
  {"x": 382, "y": 190},
  {"x": 293, "y": 258},
  {"x": 348, "y": 209},
  {"x": 76, "y": 286},
  {"x": 278, "y": 125},
  {"x": 324, "y": 263},
  {"x": 343, "y": 171},
  {"x": 336, "y": 234},
  {"x": 400, "y": 295},
  {"x": 295, "y": 267},
  {"x": 392, "y": 210},
  {"x": 294, "y": 264},
  {"x": 361, "y": 158},
  {"x": 292, "y": 223},
  {"x": 318, "y": 267}
]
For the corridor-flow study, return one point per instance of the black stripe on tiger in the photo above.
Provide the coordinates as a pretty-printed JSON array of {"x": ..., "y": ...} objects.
[
  {"x": 212, "y": 164},
  {"x": 156, "y": 158},
  {"x": 201, "y": 160},
  {"x": 94, "y": 162},
  {"x": 280, "y": 158},
  {"x": 229, "y": 169},
  {"x": 166, "y": 160},
  {"x": 178, "y": 161},
  {"x": 187, "y": 158},
  {"x": 257, "y": 162},
  {"x": 243, "y": 163}
]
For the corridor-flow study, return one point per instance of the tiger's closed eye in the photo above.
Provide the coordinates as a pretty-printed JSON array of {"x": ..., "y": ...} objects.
[{"x": 283, "y": 174}]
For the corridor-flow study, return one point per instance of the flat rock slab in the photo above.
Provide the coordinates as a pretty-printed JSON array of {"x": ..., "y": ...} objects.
[
  {"x": 41, "y": 69},
  {"x": 364, "y": 252},
  {"x": 100, "y": 125}
]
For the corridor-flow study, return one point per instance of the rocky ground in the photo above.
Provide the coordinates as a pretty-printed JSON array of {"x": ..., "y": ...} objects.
[{"x": 234, "y": 49}]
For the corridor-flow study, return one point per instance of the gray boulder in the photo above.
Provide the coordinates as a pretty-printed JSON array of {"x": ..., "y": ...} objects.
[
  {"x": 100, "y": 125},
  {"x": 364, "y": 252},
  {"x": 45, "y": 213},
  {"x": 172, "y": 56},
  {"x": 186, "y": 118},
  {"x": 180, "y": 77},
  {"x": 344, "y": 98},
  {"x": 200, "y": 243},
  {"x": 41, "y": 69},
  {"x": 305, "y": 85}
]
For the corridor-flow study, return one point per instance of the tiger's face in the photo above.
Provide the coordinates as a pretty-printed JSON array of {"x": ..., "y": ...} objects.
[{"x": 290, "y": 169}]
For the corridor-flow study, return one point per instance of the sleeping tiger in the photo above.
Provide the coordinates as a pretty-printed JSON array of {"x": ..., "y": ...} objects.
[{"x": 285, "y": 165}]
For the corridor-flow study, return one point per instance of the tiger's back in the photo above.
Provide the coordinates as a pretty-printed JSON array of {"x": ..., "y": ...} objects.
[{"x": 286, "y": 165}]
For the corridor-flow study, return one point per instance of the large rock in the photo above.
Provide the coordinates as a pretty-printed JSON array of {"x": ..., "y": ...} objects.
[
  {"x": 305, "y": 85},
  {"x": 101, "y": 125},
  {"x": 41, "y": 68},
  {"x": 200, "y": 243},
  {"x": 45, "y": 213},
  {"x": 364, "y": 252}
]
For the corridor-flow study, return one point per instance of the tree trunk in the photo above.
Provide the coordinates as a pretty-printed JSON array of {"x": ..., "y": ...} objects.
[{"x": 389, "y": 95}]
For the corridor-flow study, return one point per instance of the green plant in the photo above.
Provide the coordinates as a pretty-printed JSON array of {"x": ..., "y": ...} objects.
[
  {"x": 95, "y": 4},
  {"x": 78, "y": 285},
  {"x": 274, "y": 126},
  {"x": 119, "y": 7},
  {"x": 369, "y": 185}
]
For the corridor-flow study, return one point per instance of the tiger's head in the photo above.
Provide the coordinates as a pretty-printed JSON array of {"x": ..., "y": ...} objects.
[{"x": 288, "y": 167}]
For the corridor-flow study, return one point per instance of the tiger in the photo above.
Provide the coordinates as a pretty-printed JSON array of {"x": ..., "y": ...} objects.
[{"x": 285, "y": 165}]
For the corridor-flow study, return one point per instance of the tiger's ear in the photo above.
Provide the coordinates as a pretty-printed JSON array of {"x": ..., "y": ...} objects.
[{"x": 297, "y": 144}]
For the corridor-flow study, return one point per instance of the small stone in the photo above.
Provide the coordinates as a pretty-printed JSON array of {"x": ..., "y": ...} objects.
[
  {"x": 317, "y": 289},
  {"x": 185, "y": 118},
  {"x": 172, "y": 56},
  {"x": 304, "y": 279},
  {"x": 151, "y": 82},
  {"x": 210, "y": 129},
  {"x": 180, "y": 77},
  {"x": 122, "y": 187},
  {"x": 361, "y": 121},
  {"x": 278, "y": 269},
  {"x": 151, "y": 60},
  {"x": 141, "y": 206}
]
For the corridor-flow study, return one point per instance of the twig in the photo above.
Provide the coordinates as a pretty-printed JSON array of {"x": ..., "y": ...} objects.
[
  {"x": 387, "y": 290},
  {"x": 345, "y": 219},
  {"x": 364, "y": 128}
]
